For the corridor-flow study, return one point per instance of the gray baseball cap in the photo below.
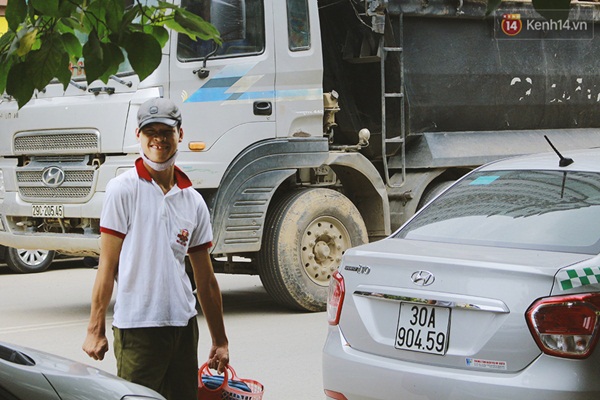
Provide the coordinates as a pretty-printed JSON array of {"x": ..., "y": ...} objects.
[{"x": 159, "y": 110}]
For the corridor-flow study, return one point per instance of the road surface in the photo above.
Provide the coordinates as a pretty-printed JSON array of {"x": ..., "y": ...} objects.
[{"x": 277, "y": 347}]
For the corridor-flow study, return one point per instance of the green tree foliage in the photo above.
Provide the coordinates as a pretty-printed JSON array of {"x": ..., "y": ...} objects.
[{"x": 43, "y": 40}]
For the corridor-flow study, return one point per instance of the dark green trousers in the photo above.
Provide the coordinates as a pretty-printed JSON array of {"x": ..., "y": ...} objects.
[{"x": 164, "y": 359}]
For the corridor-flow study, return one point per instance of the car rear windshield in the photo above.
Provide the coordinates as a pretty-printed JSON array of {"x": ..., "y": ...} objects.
[{"x": 539, "y": 210}]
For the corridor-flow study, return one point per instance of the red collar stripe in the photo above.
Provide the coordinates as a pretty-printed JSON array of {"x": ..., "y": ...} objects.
[{"x": 180, "y": 177}]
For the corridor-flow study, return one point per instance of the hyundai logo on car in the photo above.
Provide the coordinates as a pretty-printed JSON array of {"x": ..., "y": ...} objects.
[
  {"x": 53, "y": 177},
  {"x": 422, "y": 278}
]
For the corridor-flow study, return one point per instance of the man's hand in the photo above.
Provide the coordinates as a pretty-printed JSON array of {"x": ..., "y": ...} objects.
[
  {"x": 218, "y": 358},
  {"x": 95, "y": 346},
  {"x": 211, "y": 302}
]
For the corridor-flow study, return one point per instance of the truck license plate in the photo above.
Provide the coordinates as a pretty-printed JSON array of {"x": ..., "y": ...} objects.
[
  {"x": 47, "y": 210},
  {"x": 423, "y": 328}
]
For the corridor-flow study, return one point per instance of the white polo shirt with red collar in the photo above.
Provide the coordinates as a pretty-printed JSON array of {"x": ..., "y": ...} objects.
[{"x": 158, "y": 230}]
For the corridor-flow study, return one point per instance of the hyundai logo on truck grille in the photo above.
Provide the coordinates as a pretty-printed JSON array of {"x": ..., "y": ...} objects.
[
  {"x": 53, "y": 177},
  {"x": 422, "y": 278}
]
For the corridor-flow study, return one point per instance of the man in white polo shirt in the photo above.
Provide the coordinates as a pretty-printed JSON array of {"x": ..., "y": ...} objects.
[{"x": 151, "y": 218}]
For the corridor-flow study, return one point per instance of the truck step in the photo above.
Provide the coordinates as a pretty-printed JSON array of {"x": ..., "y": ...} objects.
[{"x": 394, "y": 140}]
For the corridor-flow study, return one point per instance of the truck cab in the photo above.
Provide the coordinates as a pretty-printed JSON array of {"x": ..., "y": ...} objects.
[{"x": 64, "y": 146}]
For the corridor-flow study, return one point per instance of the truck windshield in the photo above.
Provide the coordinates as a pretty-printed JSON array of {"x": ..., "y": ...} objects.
[
  {"x": 540, "y": 210},
  {"x": 240, "y": 23}
]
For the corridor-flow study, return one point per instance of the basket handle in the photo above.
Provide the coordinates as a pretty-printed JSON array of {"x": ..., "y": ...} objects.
[
  {"x": 204, "y": 369},
  {"x": 232, "y": 373}
]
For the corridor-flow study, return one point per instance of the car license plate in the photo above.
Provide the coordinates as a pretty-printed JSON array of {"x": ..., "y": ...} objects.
[
  {"x": 47, "y": 210},
  {"x": 423, "y": 328}
]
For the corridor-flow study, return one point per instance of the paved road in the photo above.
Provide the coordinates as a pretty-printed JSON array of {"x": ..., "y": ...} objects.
[{"x": 281, "y": 349}]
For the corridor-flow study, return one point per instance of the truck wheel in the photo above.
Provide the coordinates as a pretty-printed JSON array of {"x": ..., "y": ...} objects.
[
  {"x": 27, "y": 261},
  {"x": 306, "y": 234},
  {"x": 433, "y": 191}
]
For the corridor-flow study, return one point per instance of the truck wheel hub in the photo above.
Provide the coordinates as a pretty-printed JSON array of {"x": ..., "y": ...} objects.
[{"x": 323, "y": 244}]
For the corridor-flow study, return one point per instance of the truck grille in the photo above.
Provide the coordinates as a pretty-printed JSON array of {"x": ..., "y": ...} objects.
[
  {"x": 70, "y": 177},
  {"x": 53, "y": 142},
  {"x": 76, "y": 183},
  {"x": 54, "y": 193}
]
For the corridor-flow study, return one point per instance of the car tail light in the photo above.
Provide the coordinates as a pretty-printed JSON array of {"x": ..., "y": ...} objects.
[
  {"x": 566, "y": 326},
  {"x": 335, "y": 298}
]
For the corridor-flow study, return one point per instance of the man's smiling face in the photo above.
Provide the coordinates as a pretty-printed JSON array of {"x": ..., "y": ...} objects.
[{"x": 159, "y": 141}]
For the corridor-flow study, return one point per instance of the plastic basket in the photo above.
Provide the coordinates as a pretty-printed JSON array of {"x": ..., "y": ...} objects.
[{"x": 227, "y": 386}]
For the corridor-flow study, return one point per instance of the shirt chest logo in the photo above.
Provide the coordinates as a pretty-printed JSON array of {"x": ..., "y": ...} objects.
[{"x": 183, "y": 237}]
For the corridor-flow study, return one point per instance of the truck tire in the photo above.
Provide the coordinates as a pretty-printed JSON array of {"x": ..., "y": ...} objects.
[
  {"x": 433, "y": 191},
  {"x": 306, "y": 234},
  {"x": 26, "y": 261}
]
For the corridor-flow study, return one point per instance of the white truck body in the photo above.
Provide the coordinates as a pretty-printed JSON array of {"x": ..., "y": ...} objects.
[{"x": 218, "y": 112}]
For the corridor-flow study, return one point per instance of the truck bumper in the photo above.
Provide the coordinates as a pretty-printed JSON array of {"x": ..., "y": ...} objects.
[
  {"x": 65, "y": 244},
  {"x": 77, "y": 233}
]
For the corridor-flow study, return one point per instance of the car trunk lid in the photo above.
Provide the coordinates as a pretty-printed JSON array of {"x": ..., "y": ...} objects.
[{"x": 446, "y": 304}]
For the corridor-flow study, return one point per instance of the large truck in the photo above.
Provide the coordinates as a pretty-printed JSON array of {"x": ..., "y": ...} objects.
[
  {"x": 314, "y": 127},
  {"x": 22, "y": 260}
]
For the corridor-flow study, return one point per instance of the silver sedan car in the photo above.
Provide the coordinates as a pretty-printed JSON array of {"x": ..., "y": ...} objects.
[
  {"x": 491, "y": 291},
  {"x": 27, "y": 374}
]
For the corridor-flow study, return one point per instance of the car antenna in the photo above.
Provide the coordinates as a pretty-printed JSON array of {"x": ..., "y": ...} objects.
[{"x": 564, "y": 161}]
